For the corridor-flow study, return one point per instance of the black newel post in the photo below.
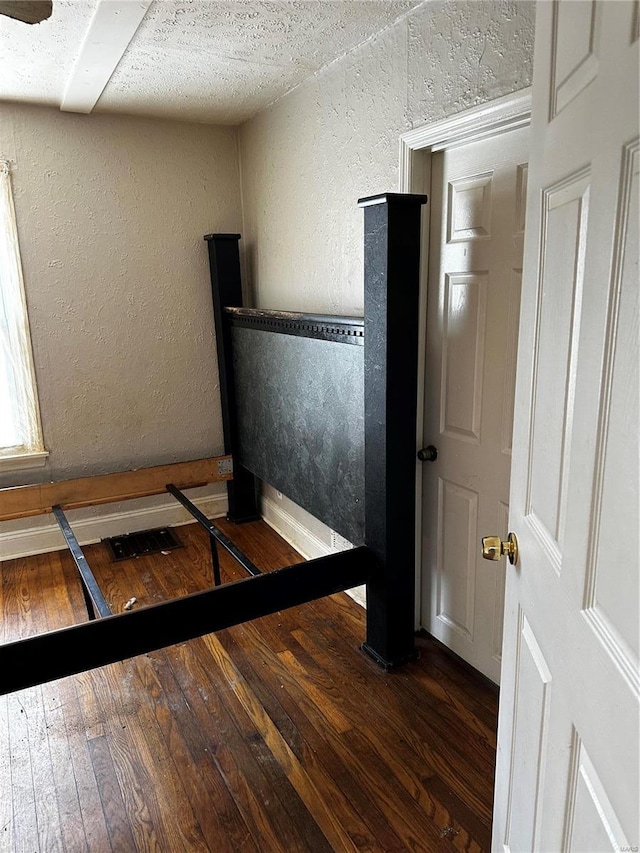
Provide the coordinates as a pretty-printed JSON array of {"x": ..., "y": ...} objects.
[
  {"x": 226, "y": 284},
  {"x": 391, "y": 287}
]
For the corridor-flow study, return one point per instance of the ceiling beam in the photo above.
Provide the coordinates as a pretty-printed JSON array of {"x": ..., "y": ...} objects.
[{"x": 113, "y": 25}]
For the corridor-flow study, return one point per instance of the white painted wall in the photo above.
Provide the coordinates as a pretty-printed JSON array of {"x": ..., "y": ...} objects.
[
  {"x": 111, "y": 214},
  {"x": 306, "y": 160}
]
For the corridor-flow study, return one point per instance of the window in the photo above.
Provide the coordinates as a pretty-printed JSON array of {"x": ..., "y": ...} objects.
[{"x": 21, "y": 443}]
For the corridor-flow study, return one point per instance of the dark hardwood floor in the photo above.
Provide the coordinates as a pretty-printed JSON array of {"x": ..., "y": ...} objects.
[{"x": 275, "y": 735}]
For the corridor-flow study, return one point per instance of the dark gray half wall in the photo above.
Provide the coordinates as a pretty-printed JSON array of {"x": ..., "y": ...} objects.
[{"x": 301, "y": 422}]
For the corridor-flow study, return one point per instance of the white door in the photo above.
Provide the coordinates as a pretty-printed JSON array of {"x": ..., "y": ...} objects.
[
  {"x": 478, "y": 194},
  {"x": 567, "y": 772}
]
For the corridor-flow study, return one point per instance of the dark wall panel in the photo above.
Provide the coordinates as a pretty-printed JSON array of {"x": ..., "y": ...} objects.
[{"x": 301, "y": 422}]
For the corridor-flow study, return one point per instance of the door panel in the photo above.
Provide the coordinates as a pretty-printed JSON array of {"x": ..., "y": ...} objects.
[
  {"x": 576, "y": 33},
  {"x": 469, "y": 213},
  {"x": 557, "y": 323},
  {"x": 533, "y": 698},
  {"x": 611, "y": 599},
  {"x": 591, "y": 824},
  {"x": 457, "y": 529},
  {"x": 574, "y": 486},
  {"x": 463, "y": 355},
  {"x": 478, "y": 193}
]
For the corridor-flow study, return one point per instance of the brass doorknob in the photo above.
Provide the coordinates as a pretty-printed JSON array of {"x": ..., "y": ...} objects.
[{"x": 493, "y": 548}]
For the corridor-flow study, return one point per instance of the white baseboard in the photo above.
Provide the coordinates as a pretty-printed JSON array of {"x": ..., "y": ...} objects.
[
  {"x": 41, "y": 539},
  {"x": 293, "y": 531},
  {"x": 302, "y": 539}
]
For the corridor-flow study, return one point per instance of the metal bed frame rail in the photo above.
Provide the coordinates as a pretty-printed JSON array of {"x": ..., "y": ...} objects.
[
  {"x": 386, "y": 560},
  {"x": 107, "y": 637},
  {"x": 94, "y": 599}
]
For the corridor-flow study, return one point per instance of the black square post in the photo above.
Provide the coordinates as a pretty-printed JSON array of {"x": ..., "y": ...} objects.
[
  {"x": 226, "y": 285},
  {"x": 391, "y": 298}
]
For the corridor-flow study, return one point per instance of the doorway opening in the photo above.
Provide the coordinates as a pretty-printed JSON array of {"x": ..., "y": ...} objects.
[{"x": 473, "y": 166}]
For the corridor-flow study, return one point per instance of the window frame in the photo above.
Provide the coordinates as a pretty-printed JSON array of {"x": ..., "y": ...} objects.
[{"x": 32, "y": 453}]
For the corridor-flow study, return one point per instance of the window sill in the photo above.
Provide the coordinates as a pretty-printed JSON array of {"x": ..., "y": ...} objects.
[{"x": 22, "y": 461}]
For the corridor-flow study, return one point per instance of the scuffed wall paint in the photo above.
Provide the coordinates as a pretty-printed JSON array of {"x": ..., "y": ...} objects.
[
  {"x": 307, "y": 159},
  {"x": 111, "y": 213}
]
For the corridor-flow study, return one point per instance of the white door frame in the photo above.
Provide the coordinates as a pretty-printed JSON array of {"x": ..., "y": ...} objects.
[{"x": 416, "y": 146}]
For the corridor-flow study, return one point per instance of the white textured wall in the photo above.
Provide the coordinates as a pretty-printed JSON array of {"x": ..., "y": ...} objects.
[
  {"x": 307, "y": 159},
  {"x": 111, "y": 214}
]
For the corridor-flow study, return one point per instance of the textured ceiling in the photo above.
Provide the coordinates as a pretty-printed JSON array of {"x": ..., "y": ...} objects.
[
  {"x": 216, "y": 61},
  {"x": 37, "y": 59}
]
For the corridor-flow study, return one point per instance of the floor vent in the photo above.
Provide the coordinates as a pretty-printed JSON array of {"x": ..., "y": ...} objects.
[{"x": 141, "y": 543}]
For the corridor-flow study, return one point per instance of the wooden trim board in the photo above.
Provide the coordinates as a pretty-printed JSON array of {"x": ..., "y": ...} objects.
[{"x": 25, "y": 501}]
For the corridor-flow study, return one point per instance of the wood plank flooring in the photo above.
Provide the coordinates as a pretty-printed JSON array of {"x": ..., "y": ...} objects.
[{"x": 275, "y": 735}]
